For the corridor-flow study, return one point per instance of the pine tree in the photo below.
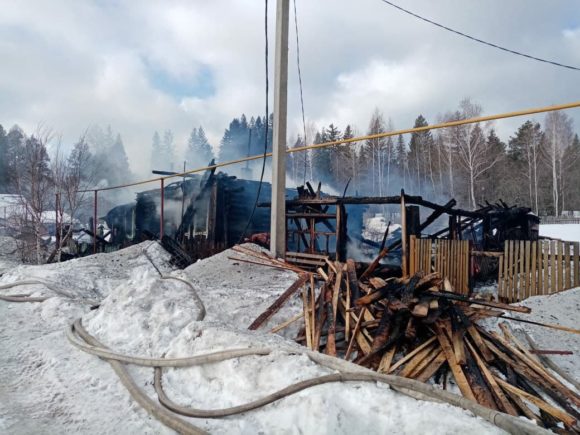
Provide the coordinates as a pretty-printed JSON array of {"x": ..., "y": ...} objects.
[
  {"x": 401, "y": 160},
  {"x": 372, "y": 155},
  {"x": 167, "y": 151},
  {"x": 322, "y": 159},
  {"x": 572, "y": 174},
  {"x": 3, "y": 161},
  {"x": 524, "y": 154},
  {"x": 198, "y": 152},
  {"x": 15, "y": 145},
  {"x": 421, "y": 150},
  {"x": 119, "y": 163},
  {"x": 492, "y": 186},
  {"x": 156, "y": 151}
]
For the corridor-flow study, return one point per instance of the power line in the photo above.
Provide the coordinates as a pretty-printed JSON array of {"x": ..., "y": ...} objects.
[
  {"x": 457, "y": 32},
  {"x": 573, "y": 105},
  {"x": 300, "y": 82},
  {"x": 266, "y": 127}
]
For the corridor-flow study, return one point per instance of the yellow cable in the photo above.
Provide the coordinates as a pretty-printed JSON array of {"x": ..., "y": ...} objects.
[{"x": 358, "y": 139}]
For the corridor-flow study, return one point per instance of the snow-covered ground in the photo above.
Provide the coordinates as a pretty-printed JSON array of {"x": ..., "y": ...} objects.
[
  {"x": 49, "y": 386},
  {"x": 569, "y": 232},
  {"x": 559, "y": 309},
  {"x": 8, "y": 254}
]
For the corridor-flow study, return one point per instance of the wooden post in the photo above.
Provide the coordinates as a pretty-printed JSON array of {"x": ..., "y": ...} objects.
[
  {"x": 162, "y": 209},
  {"x": 403, "y": 235},
  {"x": 95, "y": 223}
]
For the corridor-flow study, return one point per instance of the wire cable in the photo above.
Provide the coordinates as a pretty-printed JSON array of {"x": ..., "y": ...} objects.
[
  {"x": 300, "y": 84},
  {"x": 266, "y": 128},
  {"x": 457, "y": 32}
]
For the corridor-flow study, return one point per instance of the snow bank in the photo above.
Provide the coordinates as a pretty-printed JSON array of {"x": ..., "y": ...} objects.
[
  {"x": 48, "y": 385},
  {"x": 569, "y": 232},
  {"x": 235, "y": 293},
  {"x": 92, "y": 278},
  {"x": 8, "y": 254}
]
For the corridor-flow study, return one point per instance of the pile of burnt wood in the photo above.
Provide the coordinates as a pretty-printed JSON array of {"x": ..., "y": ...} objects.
[{"x": 418, "y": 328}]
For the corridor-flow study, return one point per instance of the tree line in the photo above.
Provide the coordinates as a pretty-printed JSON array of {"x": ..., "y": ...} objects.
[
  {"x": 538, "y": 166},
  {"x": 47, "y": 179}
]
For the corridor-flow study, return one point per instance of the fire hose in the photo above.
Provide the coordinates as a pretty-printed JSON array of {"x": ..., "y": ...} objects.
[{"x": 347, "y": 372}]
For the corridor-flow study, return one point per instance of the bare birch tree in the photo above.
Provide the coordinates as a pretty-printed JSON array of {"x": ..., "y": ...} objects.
[
  {"x": 471, "y": 145},
  {"x": 559, "y": 135}
]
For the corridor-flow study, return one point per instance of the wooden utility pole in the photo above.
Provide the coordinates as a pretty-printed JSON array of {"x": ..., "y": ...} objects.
[{"x": 278, "y": 210}]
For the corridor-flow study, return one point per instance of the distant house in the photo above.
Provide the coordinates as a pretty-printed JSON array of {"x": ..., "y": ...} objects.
[{"x": 12, "y": 210}]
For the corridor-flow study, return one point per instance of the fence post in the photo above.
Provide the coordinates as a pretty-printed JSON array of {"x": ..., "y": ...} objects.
[
  {"x": 162, "y": 211},
  {"x": 95, "y": 223}
]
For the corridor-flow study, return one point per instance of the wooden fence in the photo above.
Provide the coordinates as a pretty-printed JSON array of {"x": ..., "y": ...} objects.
[
  {"x": 448, "y": 257},
  {"x": 537, "y": 268}
]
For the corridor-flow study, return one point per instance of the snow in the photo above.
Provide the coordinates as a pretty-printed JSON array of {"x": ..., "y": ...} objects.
[
  {"x": 376, "y": 226},
  {"x": 8, "y": 254},
  {"x": 568, "y": 232},
  {"x": 560, "y": 309},
  {"x": 49, "y": 386}
]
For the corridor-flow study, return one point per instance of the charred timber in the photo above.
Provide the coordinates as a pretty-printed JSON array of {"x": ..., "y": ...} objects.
[{"x": 365, "y": 200}]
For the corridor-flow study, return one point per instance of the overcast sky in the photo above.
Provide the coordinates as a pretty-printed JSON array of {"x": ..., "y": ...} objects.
[{"x": 142, "y": 66}]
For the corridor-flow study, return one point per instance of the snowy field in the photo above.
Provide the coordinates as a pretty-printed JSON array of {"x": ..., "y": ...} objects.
[
  {"x": 568, "y": 232},
  {"x": 49, "y": 386}
]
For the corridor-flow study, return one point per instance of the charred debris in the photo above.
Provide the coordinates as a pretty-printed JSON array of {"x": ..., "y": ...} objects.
[
  {"x": 205, "y": 214},
  {"x": 417, "y": 326}
]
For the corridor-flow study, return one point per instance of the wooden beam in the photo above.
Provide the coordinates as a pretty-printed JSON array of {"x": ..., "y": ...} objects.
[{"x": 272, "y": 309}]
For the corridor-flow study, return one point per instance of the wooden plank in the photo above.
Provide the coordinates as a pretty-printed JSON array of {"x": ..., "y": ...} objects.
[
  {"x": 458, "y": 374},
  {"x": 576, "y": 261},
  {"x": 514, "y": 266},
  {"x": 546, "y": 254},
  {"x": 432, "y": 368},
  {"x": 485, "y": 352},
  {"x": 305, "y": 255},
  {"x": 347, "y": 305},
  {"x": 527, "y": 259},
  {"x": 500, "y": 280},
  {"x": 506, "y": 271},
  {"x": 466, "y": 268},
  {"x": 436, "y": 244},
  {"x": 557, "y": 413},
  {"x": 411, "y": 354},
  {"x": 272, "y": 309},
  {"x": 494, "y": 387},
  {"x": 567, "y": 269},
  {"x": 313, "y": 306},
  {"x": 413, "y": 255},
  {"x": 540, "y": 268},
  {"x": 445, "y": 257},
  {"x": 307, "y": 328},
  {"x": 404, "y": 253},
  {"x": 428, "y": 262},
  {"x": 522, "y": 271},
  {"x": 286, "y": 323},
  {"x": 458, "y": 346},
  {"x": 511, "y": 271},
  {"x": 560, "y": 260},
  {"x": 454, "y": 264},
  {"x": 548, "y": 380},
  {"x": 533, "y": 258},
  {"x": 515, "y": 271},
  {"x": 387, "y": 359},
  {"x": 416, "y": 361},
  {"x": 435, "y": 352}
]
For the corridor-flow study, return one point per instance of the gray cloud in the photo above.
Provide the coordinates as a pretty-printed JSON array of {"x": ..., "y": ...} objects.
[{"x": 71, "y": 64}]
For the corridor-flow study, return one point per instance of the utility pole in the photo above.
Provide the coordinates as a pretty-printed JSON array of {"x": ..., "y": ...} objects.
[{"x": 278, "y": 216}]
